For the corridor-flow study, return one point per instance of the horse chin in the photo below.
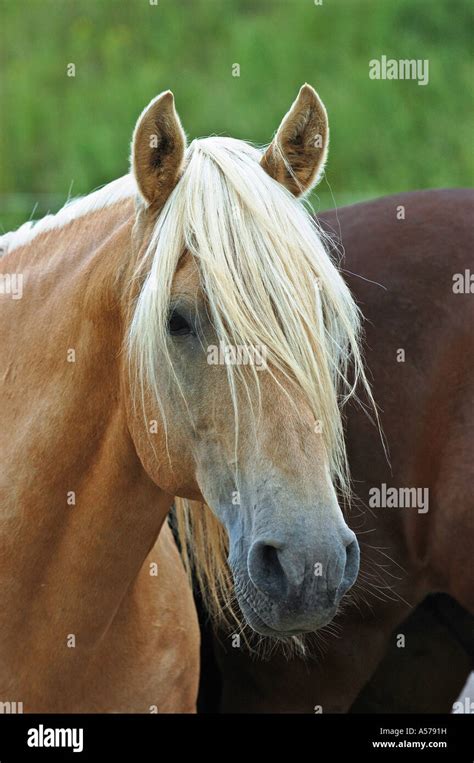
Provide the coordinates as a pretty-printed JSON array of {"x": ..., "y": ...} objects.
[{"x": 265, "y": 624}]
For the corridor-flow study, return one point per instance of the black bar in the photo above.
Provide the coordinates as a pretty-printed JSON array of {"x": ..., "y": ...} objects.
[{"x": 159, "y": 737}]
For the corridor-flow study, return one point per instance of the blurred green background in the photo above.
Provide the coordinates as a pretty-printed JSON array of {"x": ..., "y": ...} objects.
[{"x": 65, "y": 135}]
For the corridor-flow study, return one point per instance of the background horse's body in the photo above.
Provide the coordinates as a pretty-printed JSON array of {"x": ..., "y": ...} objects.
[
  {"x": 86, "y": 624},
  {"x": 401, "y": 273}
]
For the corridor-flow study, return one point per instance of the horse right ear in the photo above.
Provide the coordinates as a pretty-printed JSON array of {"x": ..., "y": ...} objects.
[
  {"x": 298, "y": 152},
  {"x": 158, "y": 147}
]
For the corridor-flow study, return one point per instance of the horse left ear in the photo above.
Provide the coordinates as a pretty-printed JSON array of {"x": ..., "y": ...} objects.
[
  {"x": 297, "y": 154},
  {"x": 158, "y": 147}
]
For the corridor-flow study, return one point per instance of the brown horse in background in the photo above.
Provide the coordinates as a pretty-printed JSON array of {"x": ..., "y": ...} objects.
[{"x": 406, "y": 260}]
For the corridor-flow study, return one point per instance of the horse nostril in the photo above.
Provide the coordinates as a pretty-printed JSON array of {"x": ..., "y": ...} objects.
[
  {"x": 265, "y": 568},
  {"x": 280, "y": 571},
  {"x": 352, "y": 566},
  {"x": 269, "y": 559}
]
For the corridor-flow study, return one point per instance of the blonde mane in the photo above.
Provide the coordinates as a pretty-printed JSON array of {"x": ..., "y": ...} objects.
[
  {"x": 268, "y": 281},
  {"x": 123, "y": 188}
]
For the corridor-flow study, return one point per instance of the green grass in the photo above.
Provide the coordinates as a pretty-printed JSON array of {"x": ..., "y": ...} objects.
[{"x": 386, "y": 136}]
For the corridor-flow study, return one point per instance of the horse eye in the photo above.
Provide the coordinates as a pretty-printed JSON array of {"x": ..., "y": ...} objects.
[{"x": 178, "y": 326}]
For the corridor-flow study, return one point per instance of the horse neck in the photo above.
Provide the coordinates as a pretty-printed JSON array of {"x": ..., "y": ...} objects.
[{"x": 78, "y": 513}]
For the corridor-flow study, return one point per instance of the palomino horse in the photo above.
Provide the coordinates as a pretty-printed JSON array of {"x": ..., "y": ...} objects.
[
  {"x": 113, "y": 403},
  {"x": 406, "y": 261}
]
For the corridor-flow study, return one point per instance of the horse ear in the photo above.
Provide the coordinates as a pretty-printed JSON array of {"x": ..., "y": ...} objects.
[
  {"x": 158, "y": 147},
  {"x": 297, "y": 154}
]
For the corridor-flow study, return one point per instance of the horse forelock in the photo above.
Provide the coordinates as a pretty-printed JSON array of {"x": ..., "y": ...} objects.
[{"x": 265, "y": 274}]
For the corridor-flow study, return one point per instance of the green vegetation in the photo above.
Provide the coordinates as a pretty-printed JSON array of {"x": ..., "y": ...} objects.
[{"x": 386, "y": 136}]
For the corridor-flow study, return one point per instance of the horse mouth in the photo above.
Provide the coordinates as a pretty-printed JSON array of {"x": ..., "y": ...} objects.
[{"x": 256, "y": 621}]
